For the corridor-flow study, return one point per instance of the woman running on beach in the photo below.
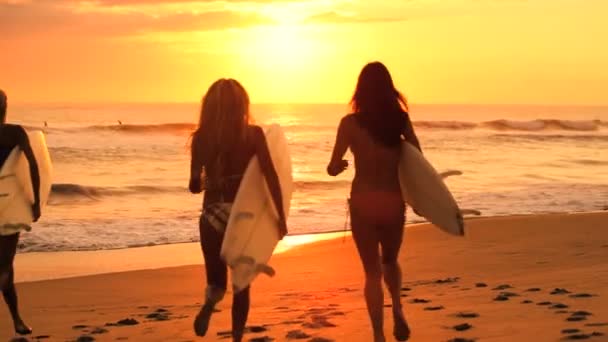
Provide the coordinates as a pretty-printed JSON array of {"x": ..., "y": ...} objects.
[
  {"x": 222, "y": 146},
  {"x": 12, "y": 136},
  {"x": 374, "y": 133}
]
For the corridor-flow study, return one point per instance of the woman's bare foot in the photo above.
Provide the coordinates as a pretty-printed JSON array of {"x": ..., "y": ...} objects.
[
  {"x": 379, "y": 337},
  {"x": 401, "y": 330},
  {"x": 21, "y": 328},
  {"x": 201, "y": 322}
]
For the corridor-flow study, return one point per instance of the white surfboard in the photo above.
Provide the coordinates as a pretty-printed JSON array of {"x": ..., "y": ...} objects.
[
  {"x": 424, "y": 190},
  {"x": 252, "y": 232},
  {"x": 16, "y": 192}
]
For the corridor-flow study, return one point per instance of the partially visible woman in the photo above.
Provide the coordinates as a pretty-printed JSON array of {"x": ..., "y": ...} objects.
[
  {"x": 222, "y": 147},
  {"x": 374, "y": 132},
  {"x": 12, "y": 136}
]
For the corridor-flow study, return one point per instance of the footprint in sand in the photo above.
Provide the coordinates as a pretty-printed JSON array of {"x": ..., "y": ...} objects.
[
  {"x": 42, "y": 337},
  {"x": 406, "y": 289},
  {"x": 502, "y": 287},
  {"x": 255, "y": 329},
  {"x": 560, "y": 291},
  {"x": 534, "y": 289},
  {"x": 501, "y": 298},
  {"x": 583, "y": 336},
  {"x": 578, "y": 316},
  {"x": 318, "y": 322},
  {"x": 527, "y": 301},
  {"x": 262, "y": 339},
  {"x": 85, "y": 338},
  {"x": 481, "y": 285},
  {"x": 297, "y": 335},
  {"x": 320, "y": 339},
  {"x": 466, "y": 315},
  {"x": 570, "y": 331},
  {"x": 462, "y": 327},
  {"x": 581, "y": 295},
  {"x": 159, "y": 315},
  {"x": 419, "y": 301},
  {"x": 596, "y": 325},
  {"x": 434, "y": 308},
  {"x": 123, "y": 323},
  {"x": 559, "y": 306},
  {"x": 544, "y": 303},
  {"x": 447, "y": 280},
  {"x": 79, "y": 327}
]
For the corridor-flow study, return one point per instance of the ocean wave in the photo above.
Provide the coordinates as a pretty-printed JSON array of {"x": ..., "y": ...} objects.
[
  {"x": 537, "y": 125},
  {"x": 78, "y": 191},
  {"x": 67, "y": 190},
  {"x": 320, "y": 185},
  {"x": 551, "y": 137},
  {"x": 148, "y": 128}
]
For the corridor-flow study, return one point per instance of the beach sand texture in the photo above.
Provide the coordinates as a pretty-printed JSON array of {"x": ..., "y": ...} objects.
[{"x": 518, "y": 278}]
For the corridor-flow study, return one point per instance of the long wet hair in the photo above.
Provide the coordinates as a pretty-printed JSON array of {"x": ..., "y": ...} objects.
[
  {"x": 379, "y": 106},
  {"x": 3, "y": 106},
  {"x": 223, "y": 121}
]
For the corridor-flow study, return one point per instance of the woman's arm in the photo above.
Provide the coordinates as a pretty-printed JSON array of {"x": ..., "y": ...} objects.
[
  {"x": 24, "y": 145},
  {"x": 337, "y": 165},
  {"x": 272, "y": 179},
  {"x": 196, "y": 165},
  {"x": 409, "y": 134}
]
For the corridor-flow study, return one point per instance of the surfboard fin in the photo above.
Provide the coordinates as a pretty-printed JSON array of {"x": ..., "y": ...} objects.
[{"x": 266, "y": 269}]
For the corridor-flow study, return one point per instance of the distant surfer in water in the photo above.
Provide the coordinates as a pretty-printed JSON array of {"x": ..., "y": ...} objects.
[
  {"x": 12, "y": 136},
  {"x": 222, "y": 146},
  {"x": 374, "y": 132}
]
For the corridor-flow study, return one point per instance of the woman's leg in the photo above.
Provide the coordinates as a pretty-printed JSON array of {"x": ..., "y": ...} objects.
[
  {"x": 391, "y": 237},
  {"x": 8, "y": 249},
  {"x": 366, "y": 240},
  {"x": 217, "y": 275},
  {"x": 240, "y": 311}
]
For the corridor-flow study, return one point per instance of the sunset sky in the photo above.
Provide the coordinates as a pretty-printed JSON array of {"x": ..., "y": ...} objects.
[{"x": 439, "y": 51}]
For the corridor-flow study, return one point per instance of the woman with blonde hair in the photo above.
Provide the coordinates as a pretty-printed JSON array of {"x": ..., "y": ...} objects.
[{"x": 222, "y": 146}]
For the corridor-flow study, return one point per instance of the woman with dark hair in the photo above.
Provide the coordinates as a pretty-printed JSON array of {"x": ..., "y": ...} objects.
[
  {"x": 374, "y": 133},
  {"x": 222, "y": 146},
  {"x": 12, "y": 136}
]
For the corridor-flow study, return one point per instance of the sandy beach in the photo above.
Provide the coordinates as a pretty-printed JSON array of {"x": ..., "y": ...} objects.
[{"x": 519, "y": 278}]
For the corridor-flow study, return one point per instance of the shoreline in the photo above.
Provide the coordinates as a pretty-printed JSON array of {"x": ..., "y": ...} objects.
[{"x": 41, "y": 266}]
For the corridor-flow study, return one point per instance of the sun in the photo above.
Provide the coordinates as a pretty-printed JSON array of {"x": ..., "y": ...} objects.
[{"x": 283, "y": 46}]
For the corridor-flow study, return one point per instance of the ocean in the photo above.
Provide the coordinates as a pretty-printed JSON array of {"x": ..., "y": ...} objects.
[{"x": 121, "y": 171}]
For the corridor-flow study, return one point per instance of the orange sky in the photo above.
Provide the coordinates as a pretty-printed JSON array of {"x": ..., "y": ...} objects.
[{"x": 448, "y": 51}]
